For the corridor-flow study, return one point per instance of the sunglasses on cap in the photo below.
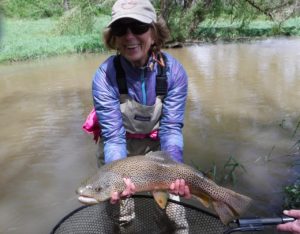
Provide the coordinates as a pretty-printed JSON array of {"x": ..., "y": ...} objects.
[{"x": 120, "y": 28}]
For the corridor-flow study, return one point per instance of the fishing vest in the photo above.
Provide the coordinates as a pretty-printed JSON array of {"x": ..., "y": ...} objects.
[{"x": 139, "y": 119}]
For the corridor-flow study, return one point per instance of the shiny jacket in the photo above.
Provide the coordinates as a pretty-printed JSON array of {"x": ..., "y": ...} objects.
[{"x": 141, "y": 87}]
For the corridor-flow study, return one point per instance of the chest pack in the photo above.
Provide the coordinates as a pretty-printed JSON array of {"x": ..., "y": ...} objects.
[{"x": 161, "y": 77}]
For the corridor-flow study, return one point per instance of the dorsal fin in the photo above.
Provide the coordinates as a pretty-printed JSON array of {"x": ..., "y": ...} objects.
[{"x": 160, "y": 156}]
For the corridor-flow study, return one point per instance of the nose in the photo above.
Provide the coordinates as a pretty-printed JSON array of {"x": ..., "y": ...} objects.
[{"x": 128, "y": 32}]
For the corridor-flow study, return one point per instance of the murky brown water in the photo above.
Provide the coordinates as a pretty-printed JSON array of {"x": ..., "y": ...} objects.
[{"x": 239, "y": 94}]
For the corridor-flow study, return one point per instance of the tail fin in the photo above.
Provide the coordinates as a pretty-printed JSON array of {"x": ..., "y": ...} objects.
[{"x": 232, "y": 206}]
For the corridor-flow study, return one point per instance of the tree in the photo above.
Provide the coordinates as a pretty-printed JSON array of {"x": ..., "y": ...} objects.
[{"x": 66, "y": 4}]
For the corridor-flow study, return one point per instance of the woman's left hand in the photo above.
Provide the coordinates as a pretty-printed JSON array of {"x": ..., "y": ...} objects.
[{"x": 180, "y": 188}]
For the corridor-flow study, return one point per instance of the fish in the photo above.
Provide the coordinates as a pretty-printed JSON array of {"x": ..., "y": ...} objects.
[{"x": 154, "y": 172}]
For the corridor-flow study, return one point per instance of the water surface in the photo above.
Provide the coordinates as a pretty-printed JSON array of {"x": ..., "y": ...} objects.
[{"x": 243, "y": 103}]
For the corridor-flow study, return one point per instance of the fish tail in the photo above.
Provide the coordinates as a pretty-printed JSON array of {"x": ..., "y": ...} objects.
[{"x": 232, "y": 206}]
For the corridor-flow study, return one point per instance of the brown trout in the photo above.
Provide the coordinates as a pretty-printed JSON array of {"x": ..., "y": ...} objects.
[{"x": 155, "y": 172}]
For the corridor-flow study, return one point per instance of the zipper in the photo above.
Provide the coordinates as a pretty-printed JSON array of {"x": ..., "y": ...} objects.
[{"x": 144, "y": 94}]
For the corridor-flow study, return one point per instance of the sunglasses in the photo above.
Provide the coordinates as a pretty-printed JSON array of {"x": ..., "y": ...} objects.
[{"x": 120, "y": 29}]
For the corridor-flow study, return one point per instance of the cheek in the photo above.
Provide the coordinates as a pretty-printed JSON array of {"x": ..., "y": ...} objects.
[{"x": 148, "y": 43}]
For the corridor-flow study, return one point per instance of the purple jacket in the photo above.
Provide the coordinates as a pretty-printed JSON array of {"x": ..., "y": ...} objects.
[{"x": 141, "y": 87}]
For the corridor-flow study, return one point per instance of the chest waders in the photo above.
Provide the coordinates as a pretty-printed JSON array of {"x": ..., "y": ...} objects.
[{"x": 138, "y": 118}]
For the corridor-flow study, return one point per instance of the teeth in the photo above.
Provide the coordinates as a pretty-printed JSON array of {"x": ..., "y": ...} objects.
[{"x": 131, "y": 46}]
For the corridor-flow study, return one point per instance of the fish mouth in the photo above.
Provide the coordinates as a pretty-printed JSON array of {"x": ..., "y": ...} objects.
[{"x": 88, "y": 200}]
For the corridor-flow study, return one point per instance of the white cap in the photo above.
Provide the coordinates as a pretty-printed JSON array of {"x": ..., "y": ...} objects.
[{"x": 141, "y": 10}]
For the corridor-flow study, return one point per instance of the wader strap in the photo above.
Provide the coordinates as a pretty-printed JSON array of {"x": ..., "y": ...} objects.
[
  {"x": 120, "y": 75},
  {"x": 161, "y": 77}
]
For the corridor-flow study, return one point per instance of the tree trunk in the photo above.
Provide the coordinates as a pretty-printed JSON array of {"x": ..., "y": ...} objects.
[{"x": 66, "y": 4}]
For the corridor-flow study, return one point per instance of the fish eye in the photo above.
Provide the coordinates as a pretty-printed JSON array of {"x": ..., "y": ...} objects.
[{"x": 98, "y": 189}]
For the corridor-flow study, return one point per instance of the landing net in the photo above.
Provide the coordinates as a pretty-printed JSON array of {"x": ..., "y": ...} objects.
[{"x": 103, "y": 218}]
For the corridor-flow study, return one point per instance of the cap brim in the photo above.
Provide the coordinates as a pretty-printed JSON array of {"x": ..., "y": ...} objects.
[{"x": 140, "y": 18}]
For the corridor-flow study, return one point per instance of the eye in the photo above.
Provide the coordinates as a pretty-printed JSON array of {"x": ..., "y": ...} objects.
[{"x": 98, "y": 189}]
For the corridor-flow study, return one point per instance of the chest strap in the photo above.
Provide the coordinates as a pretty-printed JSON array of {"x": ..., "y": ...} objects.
[{"x": 161, "y": 77}]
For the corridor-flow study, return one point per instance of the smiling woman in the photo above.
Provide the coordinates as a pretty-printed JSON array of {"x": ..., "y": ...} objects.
[{"x": 139, "y": 94}]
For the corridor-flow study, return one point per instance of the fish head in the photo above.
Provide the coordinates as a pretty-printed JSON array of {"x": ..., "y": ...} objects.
[{"x": 97, "y": 188}]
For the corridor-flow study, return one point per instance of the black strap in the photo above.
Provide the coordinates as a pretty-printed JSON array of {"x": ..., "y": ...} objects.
[
  {"x": 120, "y": 75},
  {"x": 161, "y": 77}
]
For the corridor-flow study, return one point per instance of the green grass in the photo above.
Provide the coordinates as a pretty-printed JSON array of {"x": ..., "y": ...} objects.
[{"x": 28, "y": 39}]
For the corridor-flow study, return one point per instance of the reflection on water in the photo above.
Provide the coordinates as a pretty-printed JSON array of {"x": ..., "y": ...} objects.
[{"x": 243, "y": 103}]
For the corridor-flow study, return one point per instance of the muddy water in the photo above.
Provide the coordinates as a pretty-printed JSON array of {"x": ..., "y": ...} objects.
[{"x": 243, "y": 104}]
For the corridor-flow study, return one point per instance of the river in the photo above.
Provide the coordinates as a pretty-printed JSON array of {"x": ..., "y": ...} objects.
[{"x": 243, "y": 106}]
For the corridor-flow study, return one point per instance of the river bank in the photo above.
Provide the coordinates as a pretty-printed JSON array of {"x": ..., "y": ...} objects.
[{"x": 30, "y": 39}]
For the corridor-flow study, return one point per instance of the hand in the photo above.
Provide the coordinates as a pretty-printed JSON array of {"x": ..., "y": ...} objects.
[
  {"x": 293, "y": 227},
  {"x": 180, "y": 188},
  {"x": 129, "y": 191}
]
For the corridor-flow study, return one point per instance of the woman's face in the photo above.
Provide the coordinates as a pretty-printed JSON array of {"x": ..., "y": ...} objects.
[{"x": 133, "y": 40}]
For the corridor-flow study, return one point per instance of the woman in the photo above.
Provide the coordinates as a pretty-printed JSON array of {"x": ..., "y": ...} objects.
[{"x": 139, "y": 94}]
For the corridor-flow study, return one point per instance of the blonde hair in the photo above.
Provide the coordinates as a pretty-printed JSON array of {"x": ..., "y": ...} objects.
[{"x": 160, "y": 34}]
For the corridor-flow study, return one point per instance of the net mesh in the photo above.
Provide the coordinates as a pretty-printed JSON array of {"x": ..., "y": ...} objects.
[{"x": 103, "y": 218}]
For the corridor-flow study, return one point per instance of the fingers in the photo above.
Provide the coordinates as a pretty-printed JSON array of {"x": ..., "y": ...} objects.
[
  {"x": 129, "y": 191},
  {"x": 187, "y": 193},
  {"x": 115, "y": 197},
  {"x": 293, "y": 227},
  {"x": 180, "y": 188},
  {"x": 130, "y": 188},
  {"x": 293, "y": 213}
]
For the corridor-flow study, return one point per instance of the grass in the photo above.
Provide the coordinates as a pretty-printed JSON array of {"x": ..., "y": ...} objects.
[
  {"x": 23, "y": 39},
  {"x": 28, "y": 39}
]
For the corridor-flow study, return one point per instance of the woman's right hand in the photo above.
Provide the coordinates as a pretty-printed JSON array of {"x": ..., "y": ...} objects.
[{"x": 129, "y": 191}]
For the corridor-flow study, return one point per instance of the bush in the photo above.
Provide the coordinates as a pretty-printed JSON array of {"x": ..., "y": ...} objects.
[
  {"x": 292, "y": 196},
  {"x": 32, "y": 8},
  {"x": 76, "y": 21}
]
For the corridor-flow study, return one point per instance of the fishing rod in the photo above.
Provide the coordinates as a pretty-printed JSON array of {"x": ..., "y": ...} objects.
[{"x": 256, "y": 223}]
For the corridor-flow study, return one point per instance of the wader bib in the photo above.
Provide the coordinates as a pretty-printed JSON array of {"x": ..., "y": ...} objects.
[{"x": 138, "y": 119}]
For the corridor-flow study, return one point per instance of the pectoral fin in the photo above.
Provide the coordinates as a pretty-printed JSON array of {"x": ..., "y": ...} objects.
[{"x": 161, "y": 198}]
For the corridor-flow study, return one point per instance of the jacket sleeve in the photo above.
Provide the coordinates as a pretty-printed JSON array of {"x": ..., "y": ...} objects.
[
  {"x": 107, "y": 106},
  {"x": 171, "y": 124}
]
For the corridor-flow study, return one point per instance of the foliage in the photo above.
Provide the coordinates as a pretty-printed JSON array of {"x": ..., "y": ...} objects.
[
  {"x": 292, "y": 196},
  {"x": 231, "y": 167},
  {"x": 183, "y": 20},
  {"x": 32, "y": 8},
  {"x": 48, "y": 8},
  {"x": 77, "y": 21},
  {"x": 228, "y": 173}
]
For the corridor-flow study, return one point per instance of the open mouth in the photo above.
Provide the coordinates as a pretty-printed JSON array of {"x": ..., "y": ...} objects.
[
  {"x": 132, "y": 47},
  {"x": 87, "y": 200}
]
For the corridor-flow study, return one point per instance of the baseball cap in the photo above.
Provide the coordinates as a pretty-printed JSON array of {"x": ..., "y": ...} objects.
[{"x": 141, "y": 10}]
